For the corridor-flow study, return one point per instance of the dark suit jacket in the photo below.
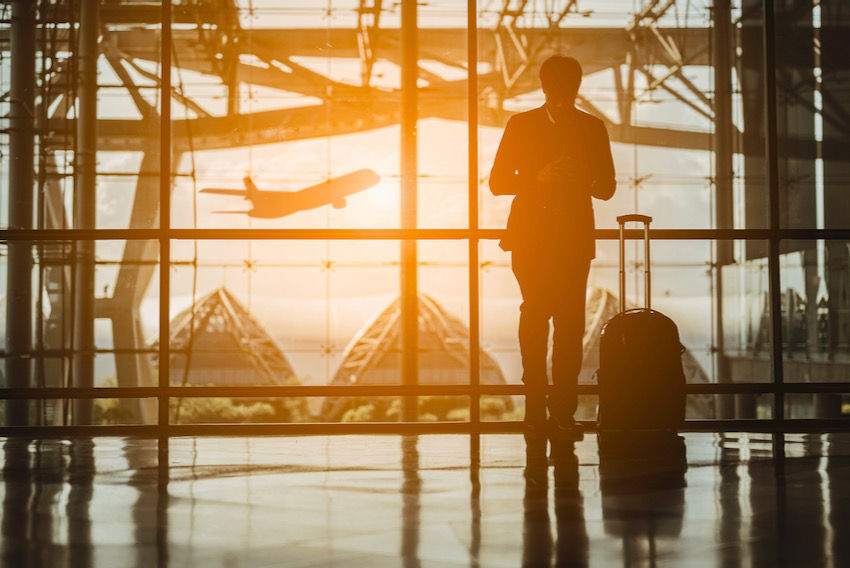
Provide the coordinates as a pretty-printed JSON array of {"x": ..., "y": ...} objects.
[{"x": 552, "y": 218}]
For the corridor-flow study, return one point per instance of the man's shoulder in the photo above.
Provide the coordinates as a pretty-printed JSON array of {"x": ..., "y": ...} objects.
[
  {"x": 590, "y": 120},
  {"x": 529, "y": 116}
]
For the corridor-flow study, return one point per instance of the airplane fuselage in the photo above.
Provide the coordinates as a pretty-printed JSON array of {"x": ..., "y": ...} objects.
[{"x": 276, "y": 204}]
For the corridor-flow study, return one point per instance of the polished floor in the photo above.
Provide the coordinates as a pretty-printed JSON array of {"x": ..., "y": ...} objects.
[{"x": 373, "y": 501}]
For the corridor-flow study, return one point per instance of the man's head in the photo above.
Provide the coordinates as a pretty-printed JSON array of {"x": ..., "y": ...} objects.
[{"x": 560, "y": 77}]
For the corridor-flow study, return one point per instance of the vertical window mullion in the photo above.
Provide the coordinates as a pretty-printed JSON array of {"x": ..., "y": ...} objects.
[
  {"x": 163, "y": 380},
  {"x": 772, "y": 177},
  {"x": 472, "y": 150}
]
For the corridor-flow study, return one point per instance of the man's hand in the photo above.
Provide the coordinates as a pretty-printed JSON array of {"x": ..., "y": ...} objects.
[{"x": 562, "y": 170}]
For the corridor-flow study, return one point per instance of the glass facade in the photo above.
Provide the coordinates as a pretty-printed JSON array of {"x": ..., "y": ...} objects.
[{"x": 308, "y": 239}]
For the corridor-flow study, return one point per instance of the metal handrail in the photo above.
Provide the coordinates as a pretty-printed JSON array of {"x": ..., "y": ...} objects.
[{"x": 385, "y": 390}]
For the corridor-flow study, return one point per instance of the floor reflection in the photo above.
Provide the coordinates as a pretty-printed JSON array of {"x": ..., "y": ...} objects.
[
  {"x": 16, "y": 528},
  {"x": 536, "y": 529},
  {"x": 150, "y": 505},
  {"x": 38, "y": 476},
  {"x": 48, "y": 492},
  {"x": 642, "y": 480},
  {"x": 410, "y": 494},
  {"x": 837, "y": 520},
  {"x": 570, "y": 543},
  {"x": 702, "y": 499},
  {"x": 80, "y": 478},
  {"x": 727, "y": 496}
]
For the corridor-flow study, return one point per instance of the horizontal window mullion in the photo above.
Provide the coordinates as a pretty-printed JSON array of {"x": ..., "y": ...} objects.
[
  {"x": 382, "y": 390},
  {"x": 70, "y": 235}
]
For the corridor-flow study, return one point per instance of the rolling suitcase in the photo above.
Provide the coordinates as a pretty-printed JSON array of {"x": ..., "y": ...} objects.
[{"x": 641, "y": 379}]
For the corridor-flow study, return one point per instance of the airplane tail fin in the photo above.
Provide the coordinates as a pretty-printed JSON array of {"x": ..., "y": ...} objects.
[{"x": 251, "y": 190}]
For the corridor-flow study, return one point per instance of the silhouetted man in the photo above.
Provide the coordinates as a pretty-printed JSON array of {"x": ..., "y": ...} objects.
[{"x": 553, "y": 159}]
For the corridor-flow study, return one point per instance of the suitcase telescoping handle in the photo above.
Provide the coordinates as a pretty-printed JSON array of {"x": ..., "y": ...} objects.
[{"x": 622, "y": 220}]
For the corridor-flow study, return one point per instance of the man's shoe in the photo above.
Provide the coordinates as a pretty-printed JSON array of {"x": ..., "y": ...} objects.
[
  {"x": 569, "y": 432},
  {"x": 533, "y": 431}
]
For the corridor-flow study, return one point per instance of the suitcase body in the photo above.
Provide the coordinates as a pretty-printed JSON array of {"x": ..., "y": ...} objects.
[{"x": 641, "y": 379}]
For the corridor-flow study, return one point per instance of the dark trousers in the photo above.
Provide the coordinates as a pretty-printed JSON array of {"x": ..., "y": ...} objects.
[{"x": 553, "y": 287}]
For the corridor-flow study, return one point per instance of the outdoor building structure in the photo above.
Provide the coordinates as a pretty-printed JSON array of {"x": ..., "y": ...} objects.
[
  {"x": 374, "y": 356},
  {"x": 729, "y": 126},
  {"x": 217, "y": 342}
]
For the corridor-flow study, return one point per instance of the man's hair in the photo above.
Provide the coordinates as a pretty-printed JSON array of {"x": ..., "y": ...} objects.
[{"x": 561, "y": 74}]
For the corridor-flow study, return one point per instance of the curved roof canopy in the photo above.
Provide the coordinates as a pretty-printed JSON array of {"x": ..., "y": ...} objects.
[
  {"x": 217, "y": 341},
  {"x": 374, "y": 355}
]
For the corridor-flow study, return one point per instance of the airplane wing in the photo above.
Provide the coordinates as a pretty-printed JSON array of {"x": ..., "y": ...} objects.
[{"x": 223, "y": 191}]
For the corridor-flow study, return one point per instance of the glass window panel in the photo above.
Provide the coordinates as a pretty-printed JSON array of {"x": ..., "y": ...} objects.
[
  {"x": 796, "y": 50},
  {"x": 750, "y": 80},
  {"x": 105, "y": 411},
  {"x": 499, "y": 307},
  {"x": 831, "y": 22},
  {"x": 503, "y": 408},
  {"x": 824, "y": 405},
  {"x": 710, "y": 406},
  {"x": 124, "y": 310},
  {"x": 657, "y": 117},
  {"x": 238, "y": 410},
  {"x": 814, "y": 317},
  {"x": 295, "y": 129},
  {"x": 125, "y": 314},
  {"x": 315, "y": 313},
  {"x": 442, "y": 131},
  {"x": 746, "y": 327}
]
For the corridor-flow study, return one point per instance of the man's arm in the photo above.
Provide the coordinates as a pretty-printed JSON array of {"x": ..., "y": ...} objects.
[
  {"x": 602, "y": 165},
  {"x": 505, "y": 177}
]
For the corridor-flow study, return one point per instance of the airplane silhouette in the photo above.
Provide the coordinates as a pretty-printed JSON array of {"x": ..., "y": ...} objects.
[{"x": 275, "y": 204}]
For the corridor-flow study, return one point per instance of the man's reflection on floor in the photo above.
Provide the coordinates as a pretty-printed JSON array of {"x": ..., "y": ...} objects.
[
  {"x": 642, "y": 479},
  {"x": 571, "y": 543}
]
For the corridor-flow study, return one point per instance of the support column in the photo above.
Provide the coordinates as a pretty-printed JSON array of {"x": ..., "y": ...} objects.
[
  {"x": 772, "y": 177},
  {"x": 751, "y": 82},
  {"x": 409, "y": 285},
  {"x": 835, "y": 25},
  {"x": 84, "y": 207},
  {"x": 723, "y": 182},
  {"x": 21, "y": 178},
  {"x": 472, "y": 178}
]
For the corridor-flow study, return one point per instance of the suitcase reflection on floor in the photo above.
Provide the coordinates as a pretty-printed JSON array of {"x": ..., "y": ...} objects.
[{"x": 642, "y": 479}]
